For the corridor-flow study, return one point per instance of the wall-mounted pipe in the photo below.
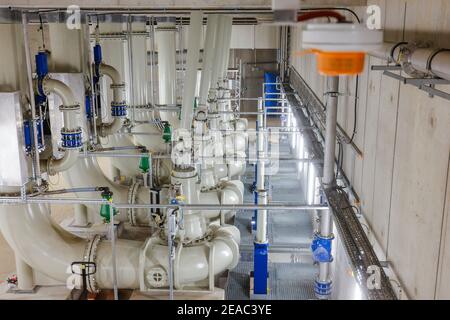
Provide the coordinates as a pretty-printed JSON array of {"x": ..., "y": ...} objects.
[{"x": 429, "y": 61}]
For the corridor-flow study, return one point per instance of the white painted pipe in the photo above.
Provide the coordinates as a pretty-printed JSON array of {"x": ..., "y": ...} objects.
[
  {"x": 219, "y": 51},
  {"x": 209, "y": 56},
  {"x": 118, "y": 86},
  {"x": 417, "y": 58},
  {"x": 48, "y": 249},
  {"x": 117, "y": 83},
  {"x": 326, "y": 223},
  {"x": 227, "y": 43},
  {"x": 166, "y": 44},
  {"x": 24, "y": 274},
  {"x": 190, "y": 80},
  {"x": 59, "y": 88},
  {"x": 81, "y": 215},
  {"x": 261, "y": 220}
]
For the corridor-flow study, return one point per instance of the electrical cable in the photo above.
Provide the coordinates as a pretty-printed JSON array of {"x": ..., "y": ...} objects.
[
  {"x": 331, "y": 8},
  {"x": 321, "y": 14}
]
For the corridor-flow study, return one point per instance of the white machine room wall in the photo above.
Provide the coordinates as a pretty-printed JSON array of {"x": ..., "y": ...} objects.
[{"x": 403, "y": 176}]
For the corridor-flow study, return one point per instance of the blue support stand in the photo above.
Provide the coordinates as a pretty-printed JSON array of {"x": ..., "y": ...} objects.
[{"x": 261, "y": 273}]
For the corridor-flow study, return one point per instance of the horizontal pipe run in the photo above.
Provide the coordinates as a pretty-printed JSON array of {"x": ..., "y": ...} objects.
[
  {"x": 19, "y": 200},
  {"x": 113, "y": 155}
]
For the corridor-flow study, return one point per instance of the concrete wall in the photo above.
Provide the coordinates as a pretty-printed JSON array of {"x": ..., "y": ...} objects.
[{"x": 403, "y": 176}]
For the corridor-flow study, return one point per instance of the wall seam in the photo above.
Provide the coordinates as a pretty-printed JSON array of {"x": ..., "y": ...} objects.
[{"x": 443, "y": 234}]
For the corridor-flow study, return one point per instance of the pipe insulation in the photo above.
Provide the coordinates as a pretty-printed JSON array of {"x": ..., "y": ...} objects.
[
  {"x": 190, "y": 80},
  {"x": 69, "y": 109},
  {"x": 209, "y": 55}
]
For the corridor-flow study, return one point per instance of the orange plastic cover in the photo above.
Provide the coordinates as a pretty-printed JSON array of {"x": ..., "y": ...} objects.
[{"x": 340, "y": 63}]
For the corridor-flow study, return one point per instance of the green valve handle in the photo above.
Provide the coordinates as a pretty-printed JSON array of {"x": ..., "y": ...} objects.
[
  {"x": 144, "y": 164},
  {"x": 105, "y": 209},
  {"x": 167, "y": 133}
]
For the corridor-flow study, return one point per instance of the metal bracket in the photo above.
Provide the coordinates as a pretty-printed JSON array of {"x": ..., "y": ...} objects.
[
  {"x": 424, "y": 84},
  {"x": 387, "y": 67}
]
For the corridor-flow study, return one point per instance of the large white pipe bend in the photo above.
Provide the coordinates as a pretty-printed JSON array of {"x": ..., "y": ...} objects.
[
  {"x": 117, "y": 83},
  {"x": 69, "y": 109},
  {"x": 50, "y": 250}
]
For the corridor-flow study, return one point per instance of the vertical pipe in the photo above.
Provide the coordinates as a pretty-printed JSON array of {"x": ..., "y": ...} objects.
[
  {"x": 113, "y": 252},
  {"x": 218, "y": 52},
  {"x": 208, "y": 56},
  {"x": 24, "y": 275},
  {"x": 227, "y": 42},
  {"x": 152, "y": 61},
  {"x": 130, "y": 66},
  {"x": 166, "y": 42},
  {"x": 328, "y": 171},
  {"x": 81, "y": 217},
  {"x": 36, "y": 162},
  {"x": 190, "y": 80}
]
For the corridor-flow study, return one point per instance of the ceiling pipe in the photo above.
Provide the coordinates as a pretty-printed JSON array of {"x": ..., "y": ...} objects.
[
  {"x": 166, "y": 45},
  {"x": 209, "y": 55},
  {"x": 190, "y": 80}
]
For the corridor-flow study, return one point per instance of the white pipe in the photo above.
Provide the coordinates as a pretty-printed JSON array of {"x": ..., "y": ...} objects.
[
  {"x": 81, "y": 215},
  {"x": 190, "y": 80},
  {"x": 218, "y": 54},
  {"x": 59, "y": 88},
  {"x": 117, "y": 83},
  {"x": 48, "y": 249},
  {"x": 326, "y": 223},
  {"x": 208, "y": 58},
  {"x": 227, "y": 42},
  {"x": 417, "y": 58},
  {"x": 24, "y": 275},
  {"x": 166, "y": 45},
  {"x": 118, "y": 86}
]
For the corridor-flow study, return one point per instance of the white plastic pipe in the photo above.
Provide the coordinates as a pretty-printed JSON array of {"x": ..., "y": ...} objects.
[
  {"x": 190, "y": 80},
  {"x": 228, "y": 24},
  {"x": 219, "y": 51},
  {"x": 24, "y": 274},
  {"x": 59, "y": 88},
  {"x": 209, "y": 56},
  {"x": 49, "y": 249},
  {"x": 118, "y": 86},
  {"x": 166, "y": 44},
  {"x": 116, "y": 80},
  {"x": 418, "y": 58}
]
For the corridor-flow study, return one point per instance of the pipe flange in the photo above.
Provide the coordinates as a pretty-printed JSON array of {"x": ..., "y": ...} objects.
[
  {"x": 74, "y": 107},
  {"x": 118, "y": 110},
  {"x": 117, "y": 86},
  {"x": 90, "y": 255},
  {"x": 71, "y": 139},
  {"x": 132, "y": 194}
]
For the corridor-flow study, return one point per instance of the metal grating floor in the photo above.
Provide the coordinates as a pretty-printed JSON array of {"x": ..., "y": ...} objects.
[{"x": 289, "y": 231}]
